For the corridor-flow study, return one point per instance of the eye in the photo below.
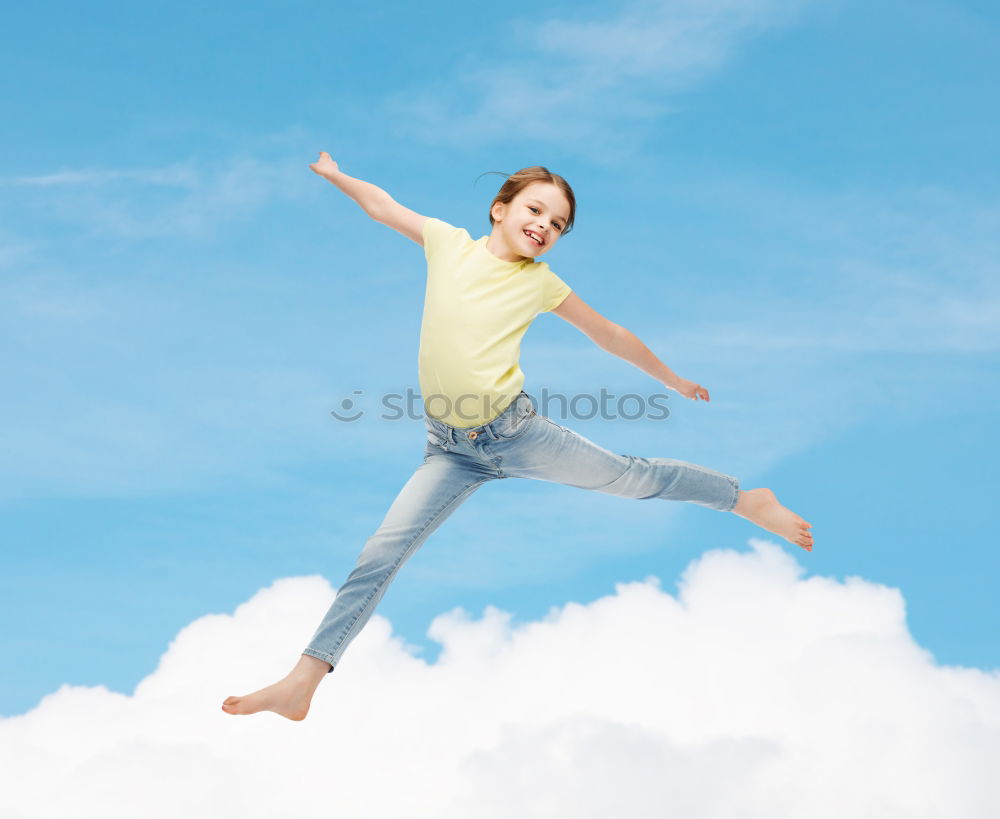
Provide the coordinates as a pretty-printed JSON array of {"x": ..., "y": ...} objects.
[{"x": 556, "y": 225}]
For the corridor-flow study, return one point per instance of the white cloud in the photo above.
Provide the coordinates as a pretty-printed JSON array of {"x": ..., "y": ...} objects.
[
  {"x": 573, "y": 82},
  {"x": 755, "y": 692}
]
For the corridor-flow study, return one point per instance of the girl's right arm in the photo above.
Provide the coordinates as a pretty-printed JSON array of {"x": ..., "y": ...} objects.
[{"x": 373, "y": 200}]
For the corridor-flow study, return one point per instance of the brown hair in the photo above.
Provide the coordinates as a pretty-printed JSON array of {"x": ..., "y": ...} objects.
[{"x": 516, "y": 182}]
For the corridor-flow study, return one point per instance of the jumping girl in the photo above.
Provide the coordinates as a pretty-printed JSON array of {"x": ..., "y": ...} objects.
[{"x": 481, "y": 296}]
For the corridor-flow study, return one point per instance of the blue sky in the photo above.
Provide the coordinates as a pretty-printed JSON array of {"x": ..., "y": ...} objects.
[{"x": 793, "y": 204}]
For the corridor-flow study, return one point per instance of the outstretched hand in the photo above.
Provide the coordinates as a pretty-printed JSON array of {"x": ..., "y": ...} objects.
[
  {"x": 691, "y": 390},
  {"x": 324, "y": 165}
]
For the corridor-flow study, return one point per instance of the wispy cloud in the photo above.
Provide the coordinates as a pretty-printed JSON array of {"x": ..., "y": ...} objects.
[
  {"x": 181, "y": 175},
  {"x": 906, "y": 270},
  {"x": 188, "y": 198},
  {"x": 752, "y": 692},
  {"x": 586, "y": 85}
]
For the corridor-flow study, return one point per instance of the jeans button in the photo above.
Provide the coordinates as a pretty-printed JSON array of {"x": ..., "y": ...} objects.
[{"x": 472, "y": 436}]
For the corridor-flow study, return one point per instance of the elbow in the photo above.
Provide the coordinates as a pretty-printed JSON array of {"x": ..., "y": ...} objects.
[
  {"x": 377, "y": 206},
  {"x": 375, "y": 212}
]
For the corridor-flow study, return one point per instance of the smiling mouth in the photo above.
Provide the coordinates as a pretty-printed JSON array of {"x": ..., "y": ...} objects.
[{"x": 534, "y": 237}]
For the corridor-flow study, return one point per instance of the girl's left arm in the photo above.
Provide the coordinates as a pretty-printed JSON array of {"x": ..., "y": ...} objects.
[{"x": 621, "y": 342}]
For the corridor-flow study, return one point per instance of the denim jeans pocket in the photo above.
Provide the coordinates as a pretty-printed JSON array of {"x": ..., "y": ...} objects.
[
  {"x": 434, "y": 437},
  {"x": 517, "y": 425},
  {"x": 435, "y": 440}
]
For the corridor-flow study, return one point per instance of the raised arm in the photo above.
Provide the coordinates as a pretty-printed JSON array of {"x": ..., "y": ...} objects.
[
  {"x": 374, "y": 201},
  {"x": 621, "y": 342}
]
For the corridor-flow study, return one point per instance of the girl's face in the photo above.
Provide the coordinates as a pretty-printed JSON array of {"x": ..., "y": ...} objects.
[{"x": 531, "y": 223}]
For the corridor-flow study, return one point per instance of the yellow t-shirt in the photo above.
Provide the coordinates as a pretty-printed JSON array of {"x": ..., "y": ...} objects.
[{"x": 476, "y": 310}]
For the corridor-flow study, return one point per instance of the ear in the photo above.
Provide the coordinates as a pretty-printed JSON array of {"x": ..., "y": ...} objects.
[{"x": 497, "y": 211}]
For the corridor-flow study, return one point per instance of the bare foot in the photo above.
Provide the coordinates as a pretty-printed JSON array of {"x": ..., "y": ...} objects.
[
  {"x": 761, "y": 506},
  {"x": 290, "y": 697}
]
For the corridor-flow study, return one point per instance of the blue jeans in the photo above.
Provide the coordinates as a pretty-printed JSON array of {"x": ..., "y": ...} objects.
[{"x": 519, "y": 443}]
